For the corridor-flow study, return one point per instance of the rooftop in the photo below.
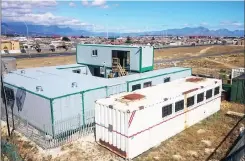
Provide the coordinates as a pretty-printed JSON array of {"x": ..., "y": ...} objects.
[
  {"x": 56, "y": 82},
  {"x": 151, "y": 94}
]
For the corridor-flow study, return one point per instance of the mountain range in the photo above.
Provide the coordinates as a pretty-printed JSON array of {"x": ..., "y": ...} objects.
[{"x": 42, "y": 30}]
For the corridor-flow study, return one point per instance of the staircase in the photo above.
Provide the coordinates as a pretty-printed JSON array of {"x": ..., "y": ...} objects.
[{"x": 116, "y": 67}]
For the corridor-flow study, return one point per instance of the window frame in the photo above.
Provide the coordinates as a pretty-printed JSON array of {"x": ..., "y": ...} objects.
[
  {"x": 166, "y": 78},
  {"x": 95, "y": 53},
  {"x": 136, "y": 85},
  {"x": 149, "y": 82},
  {"x": 183, "y": 105},
  {"x": 193, "y": 102},
  {"x": 211, "y": 94},
  {"x": 198, "y": 97},
  {"x": 215, "y": 90},
  {"x": 163, "y": 110}
]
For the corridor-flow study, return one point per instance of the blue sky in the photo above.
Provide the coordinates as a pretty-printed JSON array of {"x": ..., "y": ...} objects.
[{"x": 131, "y": 16}]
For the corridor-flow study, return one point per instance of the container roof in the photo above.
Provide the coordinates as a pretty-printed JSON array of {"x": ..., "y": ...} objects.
[
  {"x": 55, "y": 83},
  {"x": 240, "y": 77},
  {"x": 151, "y": 94},
  {"x": 118, "y": 46}
]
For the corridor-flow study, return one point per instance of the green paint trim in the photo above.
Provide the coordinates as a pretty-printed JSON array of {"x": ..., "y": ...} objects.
[
  {"x": 78, "y": 92},
  {"x": 150, "y": 68},
  {"x": 93, "y": 65},
  {"x": 76, "y": 55},
  {"x": 83, "y": 109},
  {"x": 127, "y": 86},
  {"x": 92, "y": 89},
  {"x": 37, "y": 94},
  {"x": 101, "y": 45},
  {"x": 158, "y": 75},
  {"x": 153, "y": 52},
  {"x": 71, "y": 67},
  {"x": 52, "y": 116},
  {"x": 140, "y": 59}
]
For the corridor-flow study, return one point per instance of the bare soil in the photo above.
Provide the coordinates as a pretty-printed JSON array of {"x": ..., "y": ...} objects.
[
  {"x": 210, "y": 65},
  {"x": 172, "y": 53},
  {"x": 47, "y": 61}
]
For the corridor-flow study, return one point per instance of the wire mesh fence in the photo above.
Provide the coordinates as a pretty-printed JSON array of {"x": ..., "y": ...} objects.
[
  {"x": 56, "y": 134},
  {"x": 10, "y": 151}
]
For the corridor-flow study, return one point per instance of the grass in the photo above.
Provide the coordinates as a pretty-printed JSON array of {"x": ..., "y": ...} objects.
[{"x": 215, "y": 126}]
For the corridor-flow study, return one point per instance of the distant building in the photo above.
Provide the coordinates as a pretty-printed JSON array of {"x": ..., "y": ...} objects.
[{"x": 10, "y": 47}]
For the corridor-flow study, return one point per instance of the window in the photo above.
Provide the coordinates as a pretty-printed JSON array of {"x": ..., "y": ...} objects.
[
  {"x": 190, "y": 101},
  {"x": 136, "y": 86},
  {"x": 94, "y": 53},
  {"x": 167, "y": 79},
  {"x": 77, "y": 71},
  {"x": 147, "y": 84},
  {"x": 209, "y": 93},
  {"x": 200, "y": 97},
  {"x": 179, "y": 105},
  {"x": 216, "y": 90},
  {"x": 167, "y": 110}
]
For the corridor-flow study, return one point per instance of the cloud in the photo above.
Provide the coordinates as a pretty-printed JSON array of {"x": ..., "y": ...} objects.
[
  {"x": 233, "y": 24},
  {"x": 85, "y": 2},
  {"x": 105, "y": 6},
  {"x": 204, "y": 24},
  {"x": 71, "y": 4},
  {"x": 98, "y": 2},
  {"x": 95, "y": 3},
  {"x": 23, "y": 11}
]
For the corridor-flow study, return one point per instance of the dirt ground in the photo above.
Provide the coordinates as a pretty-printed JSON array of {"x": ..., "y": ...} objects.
[
  {"x": 195, "y": 143},
  {"x": 210, "y": 65},
  {"x": 48, "y": 61},
  {"x": 172, "y": 53}
]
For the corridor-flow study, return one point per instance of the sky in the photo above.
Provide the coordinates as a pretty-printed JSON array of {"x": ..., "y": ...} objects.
[{"x": 127, "y": 16}]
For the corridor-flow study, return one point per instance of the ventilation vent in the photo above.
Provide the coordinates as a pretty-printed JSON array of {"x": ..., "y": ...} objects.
[
  {"x": 74, "y": 84},
  {"x": 22, "y": 72},
  {"x": 39, "y": 88}
]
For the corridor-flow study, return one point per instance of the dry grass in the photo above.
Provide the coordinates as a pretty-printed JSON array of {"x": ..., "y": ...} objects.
[
  {"x": 47, "y": 61},
  {"x": 210, "y": 65},
  {"x": 188, "y": 144},
  {"x": 172, "y": 53}
]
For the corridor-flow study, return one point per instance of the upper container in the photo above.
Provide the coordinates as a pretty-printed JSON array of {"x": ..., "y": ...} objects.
[{"x": 133, "y": 58}]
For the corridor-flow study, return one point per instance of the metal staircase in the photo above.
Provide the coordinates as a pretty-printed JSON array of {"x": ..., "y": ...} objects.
[{"x": 116, "y": 67}]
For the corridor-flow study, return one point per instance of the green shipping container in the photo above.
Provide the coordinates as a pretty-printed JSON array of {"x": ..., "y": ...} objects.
[
  {"x": 238, "y": 89},
  {"x": 227, "y": 93}
]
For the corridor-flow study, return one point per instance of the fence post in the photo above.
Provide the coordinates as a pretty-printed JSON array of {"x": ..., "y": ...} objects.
[{"x": 26, "y": 127}]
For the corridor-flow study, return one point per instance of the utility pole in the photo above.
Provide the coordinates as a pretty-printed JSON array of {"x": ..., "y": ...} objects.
[{"x": 106, "y": 28}]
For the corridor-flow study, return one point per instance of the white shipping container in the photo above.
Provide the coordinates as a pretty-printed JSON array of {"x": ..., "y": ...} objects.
[{"x": 131, "y": 123}]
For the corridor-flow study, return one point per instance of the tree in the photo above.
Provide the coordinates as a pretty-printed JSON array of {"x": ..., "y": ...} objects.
[
  {"x": 128, "y": 41},
  {"x": 65, "y": 39},
  {"x": 153, "y": 38}
]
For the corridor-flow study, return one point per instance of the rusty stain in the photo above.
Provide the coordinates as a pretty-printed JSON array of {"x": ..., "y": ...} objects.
[
  {"x": 113, "y": 148},
  {"x": 133, "y": 96},
  {"x": 197, "y": 79},
  {"x": 189, "y": 91}
]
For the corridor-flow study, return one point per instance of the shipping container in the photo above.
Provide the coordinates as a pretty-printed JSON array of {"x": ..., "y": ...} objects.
[
  {"x": 238, "y": 89},
  {"x": 133, "y": 58},
  {"x": 131, "y": 123},
  {"x": 44, "y": 96},
  {"x": 68, "y": 91}
]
